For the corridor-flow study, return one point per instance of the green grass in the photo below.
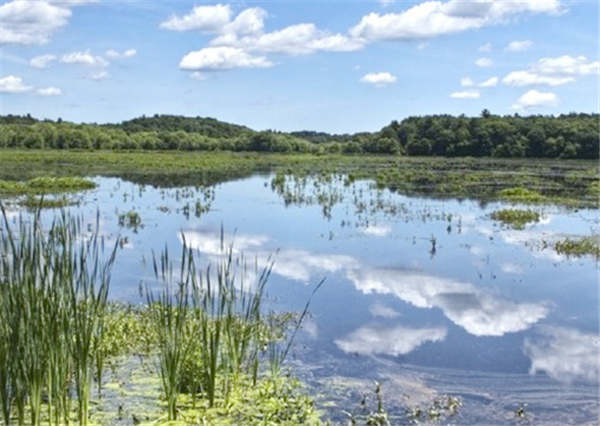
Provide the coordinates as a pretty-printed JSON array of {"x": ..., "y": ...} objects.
[
  {"x": 521, "y": 194},
  {"x": 566, "y": 182},
  {"x": 516, "y": 219},
  {"x": 45, "y": 185},
  {"x": 587, "y": 246}
]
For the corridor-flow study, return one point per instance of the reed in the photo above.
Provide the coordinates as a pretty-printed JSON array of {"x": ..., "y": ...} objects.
[
  {"x": 53, "y": 294},
  {"x": 212, "y": 330}
]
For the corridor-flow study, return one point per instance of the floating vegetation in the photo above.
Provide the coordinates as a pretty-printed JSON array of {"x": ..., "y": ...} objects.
[
  {"x": 131, "y": 219},
  {"x": 587, "y": 246},
  {"x": 514, "y": 218},
  {"x": 372, "y": 411},
  {"x": 521, "y": 194},
  {"x": 32, "y": 202},
  {"x": 557, "y": 181},
  {"x": 45, "y": 185}
]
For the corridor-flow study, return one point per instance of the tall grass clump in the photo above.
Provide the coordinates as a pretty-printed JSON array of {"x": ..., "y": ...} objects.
[
  {"x": 53, "y": 295},
  {"x": 211, "y": 325}
]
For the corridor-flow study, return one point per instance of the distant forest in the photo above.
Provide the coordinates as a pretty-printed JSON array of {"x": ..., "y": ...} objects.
[{"x": 565, "y": 136}]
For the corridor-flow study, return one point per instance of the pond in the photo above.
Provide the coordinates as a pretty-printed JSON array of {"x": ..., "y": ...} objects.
[{"x": 426, "y": 296}]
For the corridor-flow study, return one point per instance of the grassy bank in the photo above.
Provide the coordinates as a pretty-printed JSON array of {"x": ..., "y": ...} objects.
[{"x": 566, "y": 182}]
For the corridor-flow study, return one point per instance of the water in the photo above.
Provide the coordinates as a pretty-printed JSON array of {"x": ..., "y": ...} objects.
[{"x": 427, "y": 296}]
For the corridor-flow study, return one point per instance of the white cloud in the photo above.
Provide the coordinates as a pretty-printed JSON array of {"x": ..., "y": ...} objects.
[
  {"x": 42, "y": 61},
  {"x": 535, "y": 99},
  {"x": 383, "y": 311},
  {"x": 567, "y": 65},
  {"x": 518, "y": 46},
  {"x": 249, "y": 21},
  {"x": 50, "y": 91},
  {"x": 466, "y": 82},
  {"x": 529, "y": 78},
  {"x": 511, "y": 268},
  {"x": 479, "y": 312},
  {"x": 553, "y": 71},
  {"x": 13, "y": 84},
  {"x": 490, "y": 82},
  {"x": 565, "y": 354},
  {"x": 467, "y": 94},
  {"x": 208, "y": 19},
  {"x": 487, "y": 47},
  {"x": 84, "y": 58},
  {"x": 99, "y": 75},
  {"x": 484, "y": 62},
  {"x": 114, "y": 54},
  {"x": 435, "y": 18},
  {"x": 378, "y": 79},
  {"x": 30, "y": 22},
  {"x": 386, "y": 3},
  {"x": 222, "y": 58},
  {"x": 377, "y": 230},
  {"x": 295, "y": 39},
  {"x": 394, "y": 341}
]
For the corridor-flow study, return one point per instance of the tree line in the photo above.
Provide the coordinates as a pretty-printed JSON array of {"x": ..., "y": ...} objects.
[{"x": 565, "y": 136}]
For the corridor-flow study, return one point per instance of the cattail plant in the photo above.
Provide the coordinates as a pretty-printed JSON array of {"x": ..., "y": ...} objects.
[{"x": 53, "y": 295}]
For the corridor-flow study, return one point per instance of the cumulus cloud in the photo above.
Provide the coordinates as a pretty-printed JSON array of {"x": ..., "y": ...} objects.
[
  {"x": 553, "y": 71},
  {"x": 294, "y": 264},
  {"x": 518, "y": 46},
  {"x": 378, "y": 79},
  {"x": 377, "y": 230},
  {"x": 490, "y": 82},
  {"x": 114, "y": 54},
  {"x": 84, "y": 58},
  {"x": 298, "y": 39},
  {"x": 466, "y": 82},
  {"x": 201, "y": 18},
  {"x": 477, "y": 311},
  {"x": 42, "y": 61},
  {"x": 535, "y": 99},
  {"x": 435, "y": 18},
  {"x": 30, "y": 22},
  {"x": 393, "y": 341},
  {"x": 484, "y": 62},
  {"x": 49, "y": 91},
  {"x": 530, "y": 78},
  {"x": 13, "y": 84},
  {"x": 383, "y": 311},
  {"x": 565, "y": 354},
  {"x": 568, "y": 65},
  {"x": 467, "y": 94},
  {"x": 222, "y": 58}
]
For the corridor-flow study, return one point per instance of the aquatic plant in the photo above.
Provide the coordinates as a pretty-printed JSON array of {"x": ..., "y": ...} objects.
[
  {"x": 520, "y": 194},
  {"x": 579, "y": 247},
  {"x": 514, "y": 218},
  {"x": 53, "y": 293},
  {"x": 131, "y": 219},
  {"x": 45, "y": 185}
]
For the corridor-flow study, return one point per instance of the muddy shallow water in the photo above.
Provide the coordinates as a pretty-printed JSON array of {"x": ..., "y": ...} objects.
[{"x": 426, "y": 296}]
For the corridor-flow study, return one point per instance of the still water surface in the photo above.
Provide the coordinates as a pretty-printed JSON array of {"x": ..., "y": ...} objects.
[{"x": 426, "y": 296}]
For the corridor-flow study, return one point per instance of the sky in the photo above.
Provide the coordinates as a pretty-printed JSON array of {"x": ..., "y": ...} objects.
[{"x": 335, "y": 66}]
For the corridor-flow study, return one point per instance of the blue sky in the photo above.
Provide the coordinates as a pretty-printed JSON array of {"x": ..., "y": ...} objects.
[{"x": 290, "y": 65}]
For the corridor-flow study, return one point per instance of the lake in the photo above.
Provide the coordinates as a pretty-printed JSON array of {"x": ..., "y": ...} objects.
[{"x": 427, "y": 296}]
